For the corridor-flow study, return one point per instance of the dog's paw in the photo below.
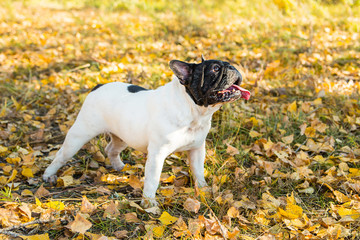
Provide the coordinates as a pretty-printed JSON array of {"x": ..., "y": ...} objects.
[
  {"x": 118, "y": 166},
  {"x": 148, "y": 203},
  {"x": 50, "y": 179}
]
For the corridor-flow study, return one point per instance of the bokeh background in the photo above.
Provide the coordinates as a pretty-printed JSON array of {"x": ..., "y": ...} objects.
[{"x": 284, "y": 164}]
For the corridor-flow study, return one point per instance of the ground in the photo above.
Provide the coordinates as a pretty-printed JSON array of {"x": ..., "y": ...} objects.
[{"x": 283, "y": 165}]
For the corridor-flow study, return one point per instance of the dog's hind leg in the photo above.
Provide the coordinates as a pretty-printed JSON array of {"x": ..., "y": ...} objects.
[
  {"x": 113, "y": 150},
  {"x": 80, "y": 133}
]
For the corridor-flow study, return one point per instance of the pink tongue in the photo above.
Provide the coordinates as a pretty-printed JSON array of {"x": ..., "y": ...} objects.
[{"x": 244, "y": 93}]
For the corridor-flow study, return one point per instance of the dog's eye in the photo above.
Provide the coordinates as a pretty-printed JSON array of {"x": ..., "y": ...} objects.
[{"x": 216, "y": 68}]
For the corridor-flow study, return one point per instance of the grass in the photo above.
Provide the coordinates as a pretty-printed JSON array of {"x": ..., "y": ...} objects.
[{"x": 53, "y": 52}]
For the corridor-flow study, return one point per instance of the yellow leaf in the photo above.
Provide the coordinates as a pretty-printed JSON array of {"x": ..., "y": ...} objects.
[
  {"x": 292, "y": 107},
  {"x": 343, "y": 212},
  {"x": 292, "y": 211},
  {"x": 169, "y": 179},
  {"x": 317, "y": 101},
  {"x": 7, "y": 169},
  {"x": 254, "y": 134},
  {"x": 233, "y": 212},
  {"x": 37, "y": 237},
  {"x": 27, "y": 172},
  {"x": 340, "y": 197},
  {"x": 159, "y": 231},
  {"x": 15, "y": 160},
  {"x": 288, "y": 139},
  {"x": 57, "y": 205},
  {"x": 37, "y": 202},
  {"x": 3, "y": 112},
  {"x": 66, "y": 181},
  {"x": 3, "y": 180},
  {"x": 167, "y": 192},
  {"x": 16, "y": 104},
  {"x": 26, "y": 192},
  {"x": 167, "y": 219},
  {"x": 310, "y": 132},
  {"x": 12, "y": 176},
  {"x": 3, "y": 149}
]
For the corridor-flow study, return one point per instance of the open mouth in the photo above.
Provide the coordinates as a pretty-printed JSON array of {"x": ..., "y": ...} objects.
[{"x": 232, "y": 93}]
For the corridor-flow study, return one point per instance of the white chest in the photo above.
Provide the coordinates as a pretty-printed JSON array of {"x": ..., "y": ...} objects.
[{"x": 190, "y": 137}]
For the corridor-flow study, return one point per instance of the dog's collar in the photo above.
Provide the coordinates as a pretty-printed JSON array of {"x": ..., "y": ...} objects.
[{"x": 202, "y": 100}]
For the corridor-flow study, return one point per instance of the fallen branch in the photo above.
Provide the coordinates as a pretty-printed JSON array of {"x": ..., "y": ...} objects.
[{"x": 9, "y": 231}]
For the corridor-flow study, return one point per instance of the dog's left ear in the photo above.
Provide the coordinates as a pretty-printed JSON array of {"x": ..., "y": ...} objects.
[{"x": 182, "y": 70}]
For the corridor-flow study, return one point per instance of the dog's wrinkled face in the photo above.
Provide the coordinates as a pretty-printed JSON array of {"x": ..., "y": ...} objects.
[{"x": 210, "y": 82}]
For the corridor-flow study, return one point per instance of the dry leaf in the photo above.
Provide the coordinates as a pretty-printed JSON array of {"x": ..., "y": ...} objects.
[
  {"x": 135, "y": 182},
  {"x": 192, "y": 205},
  {"x": 131, "y": 218},
  {"x": 111, "y": 211},
  {"x": 41, "y": 192},
  {"x": 167, "y": 219},
  {"x": 231, "y": 150},
  {"x": 44, "y": 236},
  {"x": 86, "y": 206},
  {"x": 79, "y": 225}
]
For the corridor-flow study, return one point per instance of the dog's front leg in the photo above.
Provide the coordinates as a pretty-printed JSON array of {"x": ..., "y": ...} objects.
[
  {"x": 153, "y": 167},
  {"x": 197, "y": 159}
]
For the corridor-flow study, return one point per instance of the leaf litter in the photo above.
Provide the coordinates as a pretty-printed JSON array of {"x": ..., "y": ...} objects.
[{"x": 283, "y": 165}]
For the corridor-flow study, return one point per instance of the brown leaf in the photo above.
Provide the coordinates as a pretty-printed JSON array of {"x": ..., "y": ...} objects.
[
  {"x": 41, "y": 192},
  {"x": 121, "y": 234},
  {"x": 231, "y": 150},
  {"x": 192, "y": 205},
  {"x": 86, "y": 206},
  {"x": 80, "y": 224},
  {"x": 111, "y": 211},
  {"x": 135, "y": 182},
  {"x": 132, "y": 218}
]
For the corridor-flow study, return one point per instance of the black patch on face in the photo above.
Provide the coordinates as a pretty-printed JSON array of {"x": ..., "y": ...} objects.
[
  {"x": 96, "y": 87},
  {"x": 204, "y": 82},
  {"x": 135, "y": 88}
]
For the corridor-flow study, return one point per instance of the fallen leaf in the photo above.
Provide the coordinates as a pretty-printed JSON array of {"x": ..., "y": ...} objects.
[
  {"x": 131, "y": 218},
  {"x": 41, "y": 192},
  {"x": 167, "y": 219},
  {"x": 231, "y": 150},
  {"x": 79, "y": 225},
  {"x": 192, "y": 205},
  {"x": 121, "y": 234},
  {"x": 86, "y": 206},
  {"x": 44, "y": 236},
  {"x": 135, "y": 182},
  {"x": 111, "y": 211},
  {"x": 159, "y": 231}
]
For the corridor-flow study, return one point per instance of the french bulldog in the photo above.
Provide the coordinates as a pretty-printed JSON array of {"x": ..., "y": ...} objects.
[{"x": 172, "y": 118}]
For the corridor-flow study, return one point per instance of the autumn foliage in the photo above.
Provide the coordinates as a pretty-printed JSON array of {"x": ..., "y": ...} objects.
[{"x": 283, "y": 165}]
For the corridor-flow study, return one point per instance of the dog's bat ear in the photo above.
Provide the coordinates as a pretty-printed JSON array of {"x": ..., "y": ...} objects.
[
  {"x": 182, "y": 70},
  {"x": 202, "y": 58}
]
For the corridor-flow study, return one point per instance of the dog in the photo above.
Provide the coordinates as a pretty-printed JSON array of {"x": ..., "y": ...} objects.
[{"x": 172, "y": 118}]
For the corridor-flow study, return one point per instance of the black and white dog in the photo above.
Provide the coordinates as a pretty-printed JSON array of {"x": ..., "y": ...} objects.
[{"x": 174, "y": 117}]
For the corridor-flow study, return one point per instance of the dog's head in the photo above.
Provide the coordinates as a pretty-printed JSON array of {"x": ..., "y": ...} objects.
[{"x": 210, "y": 82}]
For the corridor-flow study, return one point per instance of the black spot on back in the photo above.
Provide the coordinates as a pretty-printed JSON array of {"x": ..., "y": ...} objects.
[
  {"x": 96, "y": 87},
  {"x": 135, "y": 89}
]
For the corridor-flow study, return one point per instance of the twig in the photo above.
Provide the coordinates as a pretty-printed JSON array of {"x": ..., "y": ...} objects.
[
  {"x": 8, "y": 231},
  {"x": 301, "y": 146},
  {"x": 223, "y": 233}
]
